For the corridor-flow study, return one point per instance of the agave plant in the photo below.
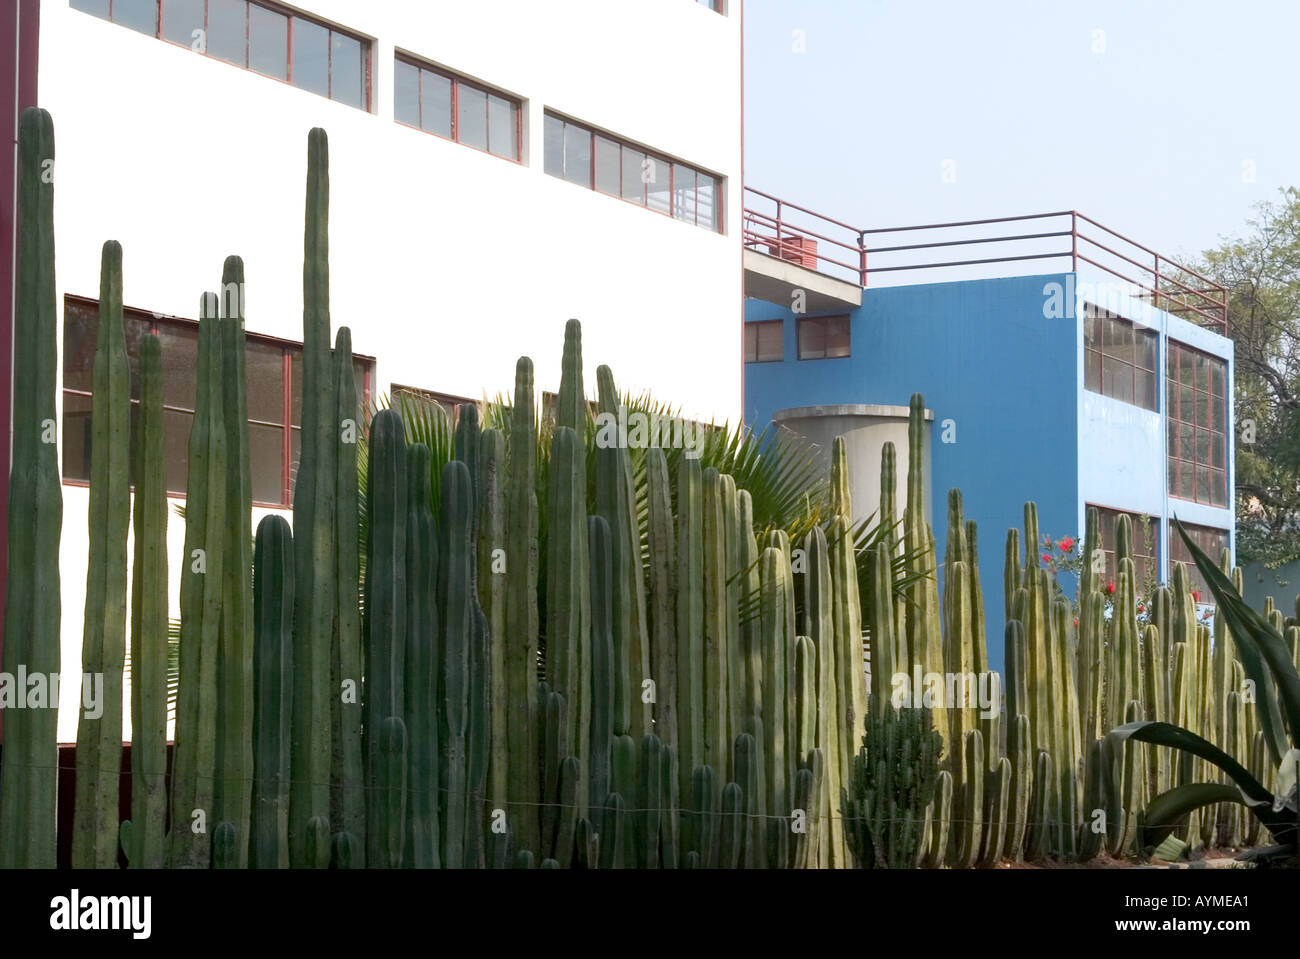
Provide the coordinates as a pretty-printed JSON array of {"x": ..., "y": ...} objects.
[{"x": 1267, "y": 663}]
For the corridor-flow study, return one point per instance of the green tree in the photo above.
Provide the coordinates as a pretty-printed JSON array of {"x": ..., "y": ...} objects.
[{"x": 1261, "y": 270}]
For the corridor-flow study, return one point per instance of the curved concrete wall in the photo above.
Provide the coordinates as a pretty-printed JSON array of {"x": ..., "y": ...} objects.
[{"x": 866, "y": 429}]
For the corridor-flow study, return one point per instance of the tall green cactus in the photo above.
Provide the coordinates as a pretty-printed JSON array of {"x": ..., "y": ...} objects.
[
  {"x": 347, "y": 760},
  {"x": 819, "y": 625},
  {"x": 661, "y": 608},
  {"x": 202, "y": 581},
  {"x": 314, "y": 522},
  {"x": 103, "y": 649},
  {"x": 458, "y": 607},
  {"x": 690, "y": 620},
  {"x": 521, "y": 613},
  {"x": 29, "y": 779},
  {"x": 492, "y": 579},
  {"x": 717, "y": 657},
  {"x": 234, "y": 759},
  {"x": 616, "y": 501},
  {"x": 603, "y": 587},
  {"x": 146, "y": 848},
  {"x": 273, "y": 599},
  {"x": 425, "y": 801},
  {"x": 385, "y": 628}
]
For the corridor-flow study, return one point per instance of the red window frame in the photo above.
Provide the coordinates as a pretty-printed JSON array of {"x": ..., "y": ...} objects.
[
  {"x": 457, "y": 81},
  {"x": 650, "y": 154},
  {"x": 288, "y": 348},
  {"x": 292, "y": 15},
  {"x": 1211, "y": 540},
  {"x": 1207, "y": 481},
  {"x": 1148, "y": 564},
  {"x": 1095, "y": 320}
]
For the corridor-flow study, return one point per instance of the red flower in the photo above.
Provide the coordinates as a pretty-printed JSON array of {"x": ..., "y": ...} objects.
[
  {"x": 1047, "y": 541},
  {"x": 1047, "y": 558},
  {"x": 1142, "y": 607},
  {"x": 1066, "y": 544},
  {"x": 1196, "y": 595},
  {"x": 1076, "y": 621},
  {"x": 1110, "y": 587}
]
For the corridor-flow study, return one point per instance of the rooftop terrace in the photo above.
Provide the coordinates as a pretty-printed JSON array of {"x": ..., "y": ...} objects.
[{"x": 789, "y": 247}]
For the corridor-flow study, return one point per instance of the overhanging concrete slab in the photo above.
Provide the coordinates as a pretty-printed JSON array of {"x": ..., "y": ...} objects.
[{"x": 775, "y": 280}]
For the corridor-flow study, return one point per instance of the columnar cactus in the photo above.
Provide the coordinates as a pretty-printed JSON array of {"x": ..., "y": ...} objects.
[
  {"x": 568, "y": 597},
  {"x": 273, "y": 599},
  {"x": 819, "y": 626},
  {"x": 347, "y": 762},
  {"x": 202, "y": 581},
  {"x": 314, "y": 522},
  {"x": 492, "y": 580},
  {"x": 662, "y": 610},
  {"x": 603, "y": 660},
  {"x": 234, "y": 770},
  {"x": 29, "y": 779},
  {"x": 103, "y": 649},
  {"x": 521, "y": 618},
  {"x": 146, "y": 846},
  {"x": 385, "y": 628},
  {"x": 717, "y": 625},
  {"x": 426, "y": 802}
]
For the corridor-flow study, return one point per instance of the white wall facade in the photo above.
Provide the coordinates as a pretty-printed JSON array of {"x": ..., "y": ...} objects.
[{"x": 447, "y": 263}]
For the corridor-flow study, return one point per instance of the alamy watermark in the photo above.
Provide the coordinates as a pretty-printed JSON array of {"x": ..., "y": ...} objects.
[{"x": 635, "y": 429}]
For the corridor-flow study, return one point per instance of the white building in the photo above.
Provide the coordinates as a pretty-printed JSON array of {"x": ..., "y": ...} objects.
[{"x": 472, "y": 146}]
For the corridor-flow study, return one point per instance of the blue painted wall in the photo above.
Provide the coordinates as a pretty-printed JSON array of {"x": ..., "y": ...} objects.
[{"x": 986, "y": 359}]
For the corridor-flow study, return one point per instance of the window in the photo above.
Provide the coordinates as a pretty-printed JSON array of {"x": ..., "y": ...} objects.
[
  {"x": 823, "y": 337},
  {"x": 1119, "y": 358},
  {"x": 714, "y": 5},
  {"x": 256, "y": 36},
  {"x": 458, "y": 109},
  {"x": 449, "y": 402},
  {"x": 600, "y": 162},
  {"x": 1210, "y": 541},
  {"x": 765, "y": 341},
  {"x": 1198, "y": 409},
  {"x": 274, "y": 376},
  {"x": 1146, "y": 545}
]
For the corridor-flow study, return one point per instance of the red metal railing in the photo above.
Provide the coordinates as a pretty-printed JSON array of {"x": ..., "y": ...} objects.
[{"x": 792, "y": 232}]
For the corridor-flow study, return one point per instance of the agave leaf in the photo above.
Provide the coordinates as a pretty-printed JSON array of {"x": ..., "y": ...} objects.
[
  {"x": 1258, "y": 645},
  {"x": 1176, "y": 737},
  {"x": 1167, "y": 811}
]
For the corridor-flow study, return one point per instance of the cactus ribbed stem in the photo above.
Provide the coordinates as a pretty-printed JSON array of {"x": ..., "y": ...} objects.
[{"x": 273, "y": 599}]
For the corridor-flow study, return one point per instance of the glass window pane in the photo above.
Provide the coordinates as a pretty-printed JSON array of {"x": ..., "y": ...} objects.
[
  {"x": 1146, "y": 390},
  {"x": 1219, "y": 372},
  {"x": 634, "y": 171},
  {"x": 1117, "y": 379},
  {"x": 1186, "y": 367},
  {"x": 228, "y": 30},
  {"x": 362, "y": 374},
  {"x": 295, "y": 450},
  {"x": 471, "y": 117},
  {"x": 76, "y": 437},
  {"x": 98, "y": 8},
  {"x": 295, "y": 387},
  {"x": 553, "y": 145},
  {"x": 658, "y": 184},
  {"x": 1202, "y": 446},
  {"x": 180, "y": 355},
  {"x": 1202, "y": 484},
  {"x": 771, "y": 342},
  {"x": 180, "y": 18},
  {"x": 1219, "y": 495},
  {"x": 406, "y": 93},
  {"x": 1185, "y": 478},
  {"x": 1147, "y": 356},
  {"x": 311, "y": 57},
  {"x": 751, "y": 345},
  {"x": 1218, "y": 410},
  {"x": 1202, "y": 408},
  {"x": 1202, "y": 372},
  {"x": 577, "y": 154},
  {"x": 1186, "y": 404},
  {"x": 1218, "y": 450},
  {"x": 1112, "y": 332},
  {"x": 1172, "y": 477},
  {"x": 266, "y": 462},
  {"x": 706, "y": 206},
  {"x": 1092, "y": 371},
  {"x": 683, "y": 193},
  {"x": 435, "y": 103},
  {"x": 139, "y": 15},
  {"x": 1186, "y": 442},
  {"x": 80, "y": 322},
  {"x": 812, "y": 339},
  {"x": 837, "y": 336},
  {"x": 608, "y": 166},
  {"x": 268, "y": 42},
  {"x": 264, "y": 371},
  {"x": 501, "y": 127},
  {"x": 176, "y": 447},
  {"x": 347, "y": 71}
]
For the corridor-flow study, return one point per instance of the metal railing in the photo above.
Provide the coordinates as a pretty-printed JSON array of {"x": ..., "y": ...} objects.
[{"x": 792, "y": 232}]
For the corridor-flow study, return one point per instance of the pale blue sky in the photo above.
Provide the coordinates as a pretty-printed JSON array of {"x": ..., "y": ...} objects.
[{"x": 1148, "y": 136}]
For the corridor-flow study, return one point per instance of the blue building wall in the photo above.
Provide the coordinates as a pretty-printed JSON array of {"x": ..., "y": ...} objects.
[{"x": 1002, "y": 380}]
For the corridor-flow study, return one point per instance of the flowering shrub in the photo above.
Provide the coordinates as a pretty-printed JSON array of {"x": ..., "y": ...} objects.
[{"x": 1065, "y": 556}]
